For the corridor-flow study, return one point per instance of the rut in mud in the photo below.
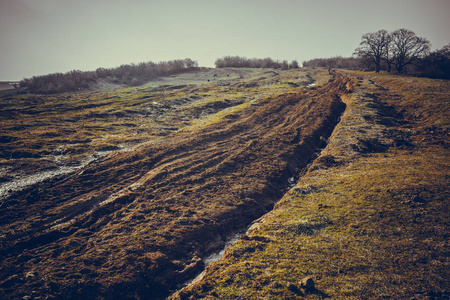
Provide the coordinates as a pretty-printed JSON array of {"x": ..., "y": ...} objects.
[{"x": 136, "y": 223}]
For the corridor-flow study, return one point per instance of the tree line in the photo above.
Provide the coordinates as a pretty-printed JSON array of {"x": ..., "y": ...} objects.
[
  {"x": 349, "y": 63},
  {"x": 243, "y": 62},
  {"x": 401, "y": 50},
  {"x": 129, "y": 75}
]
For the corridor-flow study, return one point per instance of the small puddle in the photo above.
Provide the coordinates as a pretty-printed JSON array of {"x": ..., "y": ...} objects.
[
  {"x": 215, "y": 256},
  {"x": 218, "y": 254}
]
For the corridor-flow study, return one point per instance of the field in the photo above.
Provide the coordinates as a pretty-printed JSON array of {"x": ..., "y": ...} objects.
[
  {"x": 43, "y": 136},
  {"x": 206, "y": 160},
  {"x": 369, "y": 219},
  {"x": 124, "y": 193}
]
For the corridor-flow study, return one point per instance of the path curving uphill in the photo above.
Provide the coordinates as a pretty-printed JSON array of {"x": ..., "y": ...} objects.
[{"x": 135, "y": 224}]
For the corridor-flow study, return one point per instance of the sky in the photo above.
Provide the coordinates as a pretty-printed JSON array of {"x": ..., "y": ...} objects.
[{"x": 39, "y": 37}]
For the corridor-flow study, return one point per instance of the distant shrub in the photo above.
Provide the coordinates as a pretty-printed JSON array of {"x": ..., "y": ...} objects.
[
  {"x": 243, "y": 62},
  {"x": 130, "y": 75},
  {"x": 436, "y": 64},
  {"x": 349, "y": 63}
]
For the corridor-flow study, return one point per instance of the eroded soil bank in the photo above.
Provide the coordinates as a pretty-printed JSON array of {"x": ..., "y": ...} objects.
[{"x": 135, "y": 224}]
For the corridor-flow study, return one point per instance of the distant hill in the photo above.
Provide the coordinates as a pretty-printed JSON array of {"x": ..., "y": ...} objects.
[
  {"x": 6, "y": 85},
  {"x": 125, "y": 75}
]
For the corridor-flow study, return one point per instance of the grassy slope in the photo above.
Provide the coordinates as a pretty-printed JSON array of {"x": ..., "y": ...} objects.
[
  {"x": 370, "y": 218},
  {"x": 71, "y": 126},
  {"x": 135, "y": 223}
]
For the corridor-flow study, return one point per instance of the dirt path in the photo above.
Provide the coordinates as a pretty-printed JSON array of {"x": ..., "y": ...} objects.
[{"x": 135, "y": 224}]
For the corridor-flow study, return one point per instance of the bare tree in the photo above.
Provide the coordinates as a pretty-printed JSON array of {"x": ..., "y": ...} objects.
[
  {"x": 330, "y": 64},
  {"x": 407, "y": 48},
  {"x": 373, "y": 47}
]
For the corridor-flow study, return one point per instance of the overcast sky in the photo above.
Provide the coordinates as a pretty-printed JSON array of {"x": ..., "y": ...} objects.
[{"x": 38, "y": 37}]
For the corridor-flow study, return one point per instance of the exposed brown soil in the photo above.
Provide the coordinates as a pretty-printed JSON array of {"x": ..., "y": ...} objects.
[{"x": 135, "y": 224}]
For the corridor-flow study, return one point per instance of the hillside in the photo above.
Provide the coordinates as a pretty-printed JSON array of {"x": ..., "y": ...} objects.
[
  {"x": 139, "y": 221},
  {"x": 369, "y": 219},
  {"x": 123, "y": 194}
]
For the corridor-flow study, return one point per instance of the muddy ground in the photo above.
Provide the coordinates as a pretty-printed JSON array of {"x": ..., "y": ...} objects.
[
  {"x": 43, "y": 136},
  {"x": 137, "y": 224}
]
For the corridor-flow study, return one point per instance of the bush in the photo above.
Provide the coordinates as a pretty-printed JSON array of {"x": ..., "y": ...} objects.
[
  {"x": 243, "y": 62},
  {"x": 128, "y": 75}
]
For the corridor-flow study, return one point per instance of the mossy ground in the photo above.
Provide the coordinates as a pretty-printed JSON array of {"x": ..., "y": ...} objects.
[{"x": 370, "y": 218}]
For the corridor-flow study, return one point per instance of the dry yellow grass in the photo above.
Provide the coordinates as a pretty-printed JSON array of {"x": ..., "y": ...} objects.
[{"x": 370, "y": 218}]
